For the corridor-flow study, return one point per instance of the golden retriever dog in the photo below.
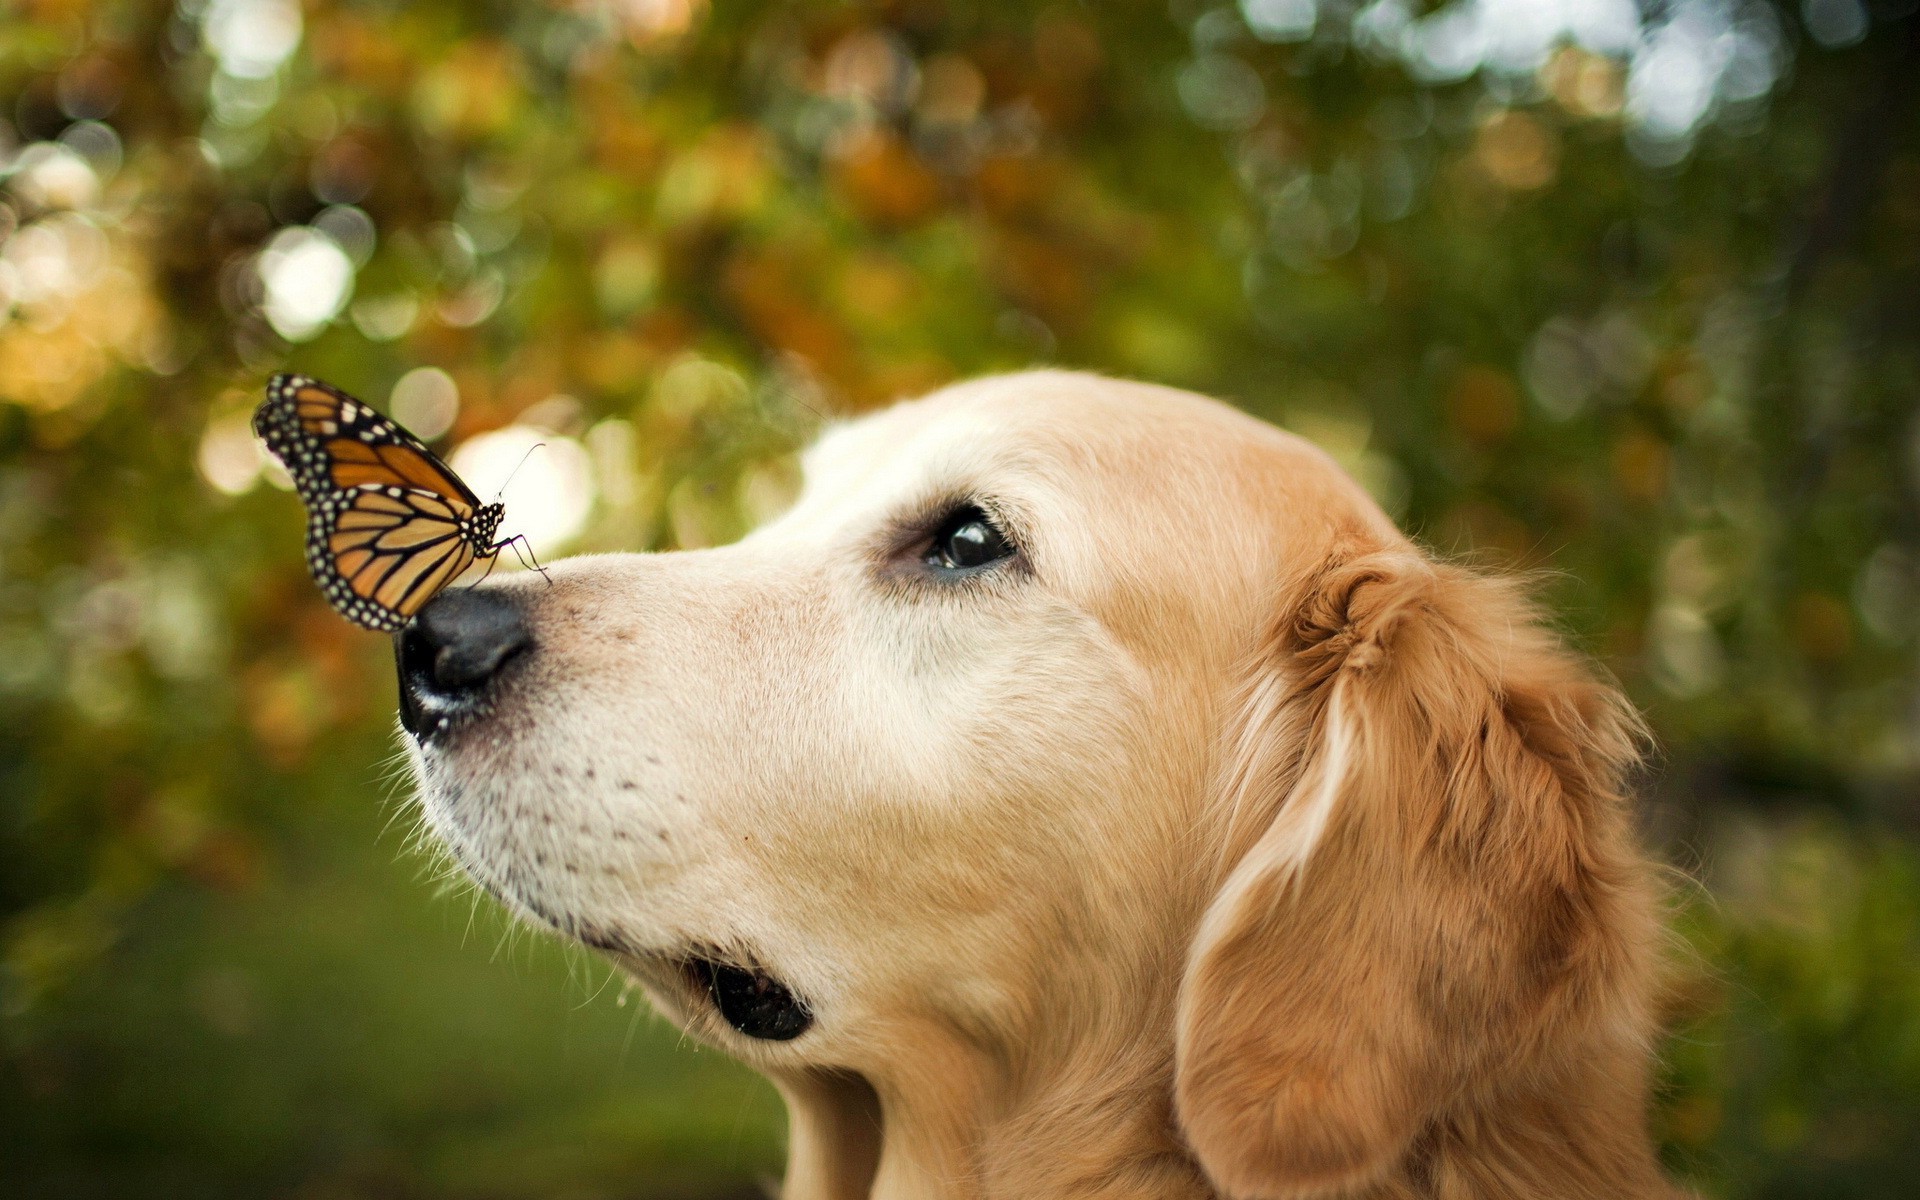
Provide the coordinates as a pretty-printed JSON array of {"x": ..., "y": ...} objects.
[{"x": 1084, "y": 790}]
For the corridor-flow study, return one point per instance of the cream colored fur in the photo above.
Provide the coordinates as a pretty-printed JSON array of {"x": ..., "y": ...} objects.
[{"x": 1224, "y": 845}]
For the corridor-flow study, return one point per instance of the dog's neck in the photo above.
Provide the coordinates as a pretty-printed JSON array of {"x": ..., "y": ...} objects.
[{"x": 1092, "y": 1119}]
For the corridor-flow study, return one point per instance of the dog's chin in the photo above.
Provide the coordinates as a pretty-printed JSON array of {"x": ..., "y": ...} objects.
[
  {"x": 473, "y": 777},
  {"x": 691, "y": 976}
]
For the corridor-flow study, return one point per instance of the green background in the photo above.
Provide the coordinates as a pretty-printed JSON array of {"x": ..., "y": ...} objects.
[{"x": 1632, "y": 306}]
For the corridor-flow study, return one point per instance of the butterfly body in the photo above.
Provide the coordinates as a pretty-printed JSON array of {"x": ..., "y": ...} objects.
[{"x": 388, "y": 523}]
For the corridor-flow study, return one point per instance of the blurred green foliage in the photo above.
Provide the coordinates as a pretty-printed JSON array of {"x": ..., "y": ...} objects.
[{"x": 1625, "y": 293}]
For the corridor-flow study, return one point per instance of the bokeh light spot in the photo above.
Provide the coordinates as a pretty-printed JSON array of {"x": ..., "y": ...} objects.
[
  {"x": 230, "y": 457},
  {"x": 1517, "y": 152},
  {"x": 1280, "y": 20},
  {"x": 548, "y": 490},
  {"x": 1221, "y": 92},
  {"x": 308, "y": 279},
  {"x": 52, "y": 175},
  {"x": 426, "y": 400},
  {"x": 251, "y": 38}
]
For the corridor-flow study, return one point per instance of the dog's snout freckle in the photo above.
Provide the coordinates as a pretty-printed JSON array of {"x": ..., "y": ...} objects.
[{"x": 626, "y": 785}]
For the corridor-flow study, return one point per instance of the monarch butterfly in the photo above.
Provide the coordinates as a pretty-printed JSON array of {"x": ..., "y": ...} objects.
[{"x": 388, "y": 523}]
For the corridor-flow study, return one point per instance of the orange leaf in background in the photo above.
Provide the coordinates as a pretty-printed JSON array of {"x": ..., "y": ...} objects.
[
  {"x": 1684, "y": 382},
  {"x": 726, "y": 176},
  {"x": 626, "y": 145},
  {"x": 282, "y": 708},
  {"x": 473, "y": 91},
  {"x": 344, "y": 46},
  {"x": 1517, "y": 151},
  {"x": 1004, "y": 63},
  {"x": 911, "y": 377},
  {"x": 952, "y": 90},
  {"x": 1822, "y": 627},
  {"x": 884, "y": 180},
  {"x": 776, "y": 309},
  {"x": 1640, "y": 463},
  {"x": 1010, "y": 185},
  {"x": 57, "y": 10},
  {"x": 879, "y": 291},
  {"x": 1482, "y": 529},
  {"x": 227, "y": 861},
  {"x": 1043, "y": 275},
  {"x": 1068, "y": 56},
  {"x": 1484, "y": 403},
  {"x": 1066, "y": 47},
  {"x": 615, "y": 361},
  {"x": 665, "y": 331},
  {"x": 1585, "y": 84}
]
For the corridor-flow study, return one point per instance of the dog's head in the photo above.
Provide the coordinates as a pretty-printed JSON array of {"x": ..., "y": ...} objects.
[{"x": 1066, "y": 736}]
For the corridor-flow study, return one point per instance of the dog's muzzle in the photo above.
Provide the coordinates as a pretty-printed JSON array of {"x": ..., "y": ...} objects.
[{"x": 453, "y": 652}]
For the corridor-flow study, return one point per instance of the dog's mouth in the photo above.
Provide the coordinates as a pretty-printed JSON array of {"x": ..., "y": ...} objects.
[
  {"x": 755, "y": 1003},
  {"x": 748, "y": 998}
]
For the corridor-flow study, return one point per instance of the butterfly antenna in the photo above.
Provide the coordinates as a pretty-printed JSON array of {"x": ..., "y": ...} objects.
[
  {"x": 527, "y": 561},
  {"x": 516, "y": 470}
]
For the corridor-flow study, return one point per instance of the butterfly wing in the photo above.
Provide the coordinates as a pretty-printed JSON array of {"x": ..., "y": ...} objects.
[
  {"x": 381, "y": 553},
  {"x": 388, "y": 523},
  {"x": 330, "y": 441}
]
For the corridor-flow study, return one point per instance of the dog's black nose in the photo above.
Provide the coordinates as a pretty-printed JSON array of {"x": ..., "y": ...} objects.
[{"x": 452, "y": 649}]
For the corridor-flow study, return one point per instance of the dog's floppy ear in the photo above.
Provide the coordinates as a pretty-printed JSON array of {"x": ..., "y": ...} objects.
[{"x": 1439, "y": 892}]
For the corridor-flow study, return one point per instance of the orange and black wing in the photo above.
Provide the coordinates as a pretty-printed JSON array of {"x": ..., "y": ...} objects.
[
  {"x": 388, "y": 523},
  {"x": 382, "y": 553},
  {"x": 330, "y": 441}
]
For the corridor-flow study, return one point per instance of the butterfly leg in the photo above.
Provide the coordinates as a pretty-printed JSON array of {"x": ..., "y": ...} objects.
[
  {"x": 530, "y": 562},
  {"x": 493, "y": 560},
  {"x": 513, "y": 543}
]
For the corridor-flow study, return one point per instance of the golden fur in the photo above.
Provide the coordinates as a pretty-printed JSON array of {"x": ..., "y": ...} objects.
[{"x": 1231, "y": 846}]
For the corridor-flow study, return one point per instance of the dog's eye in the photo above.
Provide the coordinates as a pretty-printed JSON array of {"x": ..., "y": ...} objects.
[{"x": 968, "y": 538}]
